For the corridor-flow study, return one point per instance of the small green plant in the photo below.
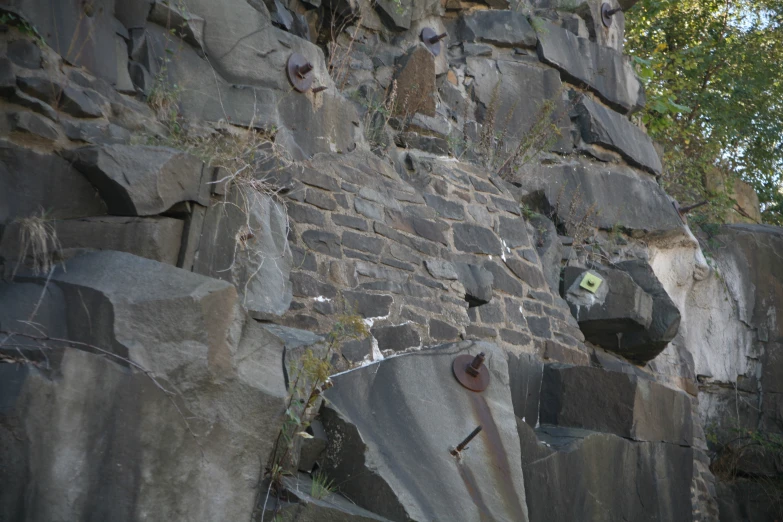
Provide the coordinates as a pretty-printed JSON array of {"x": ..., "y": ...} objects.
[
  {"x": 23, "y": 25},
  {"x": 307, "y": 382},
  {"x": 527, "y": 212},
  {"x": 322, "y": 486}
]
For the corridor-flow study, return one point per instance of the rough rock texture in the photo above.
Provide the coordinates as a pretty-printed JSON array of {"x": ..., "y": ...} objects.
[
  {"x": 602, "y": 69},
  {"x": 396, "y": 461},
  {"x": 614, "y": 402},
  {"x": 60, "y": 413},
  {"x": 142, "y": 181},
  {"x": 243, "y": 240},
  {"x": 607, "y": 128},
  {"x": 432, "y": 222},
  {"x": 580, "y": 475},
  {"x": 619, "y": 196}
]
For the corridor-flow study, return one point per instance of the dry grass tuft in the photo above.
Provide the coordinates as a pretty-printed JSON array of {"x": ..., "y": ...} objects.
[{"x": 38, "y": 244}]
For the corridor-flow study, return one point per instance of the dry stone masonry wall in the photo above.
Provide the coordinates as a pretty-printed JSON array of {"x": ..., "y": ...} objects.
[{"x": 182, "y": 232}]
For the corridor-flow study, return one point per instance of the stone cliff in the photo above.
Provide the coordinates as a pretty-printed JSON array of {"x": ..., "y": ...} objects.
[{"x": 252, "y": 250}]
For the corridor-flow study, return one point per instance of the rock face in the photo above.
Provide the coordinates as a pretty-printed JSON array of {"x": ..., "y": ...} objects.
[
  {"x": 163, "y": 315},
  {"x": 487, "y": 478},
  {"x": 579, "y": 475},
  {"x": 142, "y": 182},
  {"x": 188, "y": 345},
  {"x": 614, "y": 402},
  {"x": 602, "y": 69}
]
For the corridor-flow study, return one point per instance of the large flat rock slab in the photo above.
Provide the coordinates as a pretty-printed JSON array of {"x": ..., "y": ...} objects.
[
  {"x": 603, "y": 70},
  {"x": 186, "y": 438},
  {"x": 583, "y": 476},
  {"x": 140, "y": 180},
  {"x": 615, "y": 402},
  {"x": 619, "y": 196},
  {"x": 391, "y": 425},
  {"x": 603, "y": 126}
]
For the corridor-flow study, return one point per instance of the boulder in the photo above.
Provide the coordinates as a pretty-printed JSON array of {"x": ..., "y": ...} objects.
[
  {"x": 166, "y": 397},
  {"x": 602, "y": 196},
  {"x": 583, "y": 476},
  {"x": 614, "y": 402},
  {"x": 665, "y": 321},
  {"x": 619, "y": 306},
  {"x": 605, "y": 127},
  {"x": 244, "y": 241},
  {"x": 30, "y": 182},
  {"x": 140, "y": 180},
  {"x": 266, "y": 104},
  {"x": 391, "y": 426},
  {"x": 508, "y": 28},
  {"x": 396, "y": 14},
  {"x": 603, "y": 70}
]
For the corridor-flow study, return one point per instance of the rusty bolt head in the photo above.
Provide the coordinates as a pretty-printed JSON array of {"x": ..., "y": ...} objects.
[{"x": 470, "y": 372}]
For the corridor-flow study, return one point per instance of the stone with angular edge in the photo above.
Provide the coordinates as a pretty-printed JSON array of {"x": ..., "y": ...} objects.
[
  {"x": 604, "y": 70},
  {"x": 613, "y": 402},
  {"x": 30, "y": 181},
  {"x": 140, "y": 180},
  {"x": 603, "y": 476},
  {"x": 605, "y": 127},
  {"x": 363, "y": 412},
  {"x": 501, "y": 28}
]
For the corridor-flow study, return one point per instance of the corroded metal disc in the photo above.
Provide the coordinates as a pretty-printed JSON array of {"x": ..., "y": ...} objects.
[
  {"x": 426, "y": 34},
  {"x": 606, "y": 18},
  {"x": 478, "y": 383},
  {"x": 301, "y": 82}
]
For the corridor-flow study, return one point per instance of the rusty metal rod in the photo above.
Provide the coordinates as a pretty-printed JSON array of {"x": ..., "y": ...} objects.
[
  {"x": 320, "y": 89},
  {"x": 302, "y": 70},
  {"x": 461, "y": 446},
  {"x": 685, "y": 210},
  {"x": 473, "y": 368},
  {"x": 612, "y": 12},
  {"x": 437, "y": 38}
]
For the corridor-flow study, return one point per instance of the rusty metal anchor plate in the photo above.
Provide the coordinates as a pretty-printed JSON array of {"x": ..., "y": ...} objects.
[
  {"x": 478, "y": 383},
  {"x": 606, "y": 14},
  {"x": 300, "y": 81},
  {"x": 431, "y": 40}
]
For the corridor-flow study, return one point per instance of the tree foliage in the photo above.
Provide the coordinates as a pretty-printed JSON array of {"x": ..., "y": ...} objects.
[{"x": 713, "y": 71}]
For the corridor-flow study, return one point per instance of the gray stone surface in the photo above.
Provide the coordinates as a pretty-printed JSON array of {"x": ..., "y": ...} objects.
[
  {"x": 665, "y": 316},
  {"x": 98, "y": 415},
  {"x": 521, "y": 92},
  {"x": 602, "y": 69},
  {"x": 477, "y": 281},
  {"x": 63, "y": 23},
  {"x": 619, "y": 196},
  {"x": 613, "y": 402},
  {"x": 142, "y": 181},
  {"x": 605, "y": 127},
  {"x": 403, "y": 470},
  {"x": 501, "y": 28},
  {"x": 476, "y": 239},
  {"x": 617, "y": 307},
  {"x": 582, "y": 477},
  {"x": 244, "y": 241},
  {"x": 57, "y": 187}
]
